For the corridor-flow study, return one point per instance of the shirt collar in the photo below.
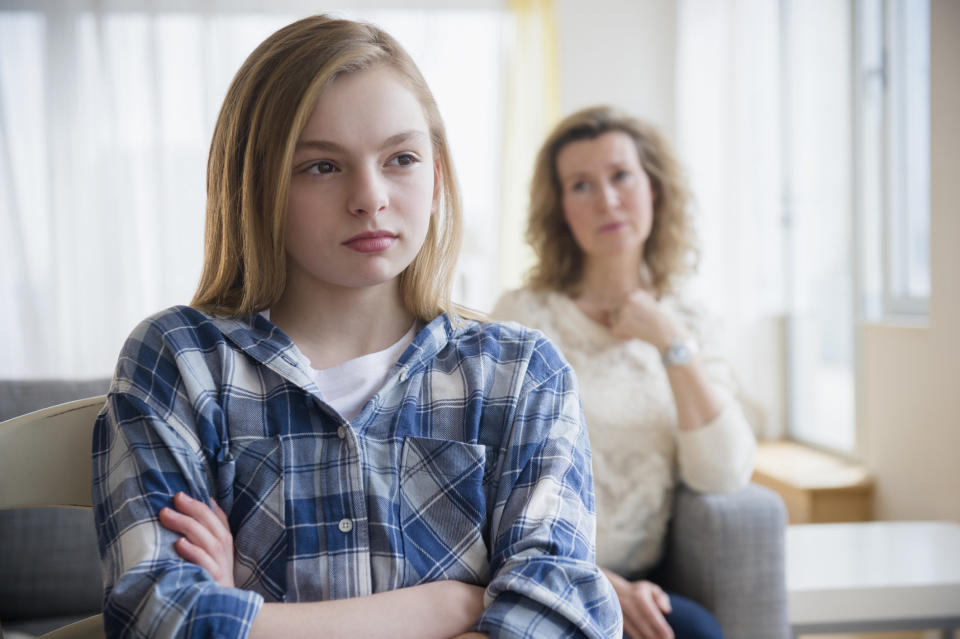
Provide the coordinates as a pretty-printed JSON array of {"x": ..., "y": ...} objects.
[{"x": 263, "y": 341}]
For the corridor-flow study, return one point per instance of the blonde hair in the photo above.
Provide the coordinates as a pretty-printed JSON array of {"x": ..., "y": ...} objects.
[
  {"x": 670, "y": 251},
  {"x": 249, "y": 168}
]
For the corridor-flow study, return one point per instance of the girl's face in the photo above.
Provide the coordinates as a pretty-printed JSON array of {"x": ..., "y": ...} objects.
[
  {"x": 606, "y": 195},
  {"x": 364, "y": 184}
]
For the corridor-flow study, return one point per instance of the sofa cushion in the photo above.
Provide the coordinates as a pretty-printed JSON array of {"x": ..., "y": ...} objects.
[
  {"x": 49, "y": 563},
  {"x": 20, "y": 396}
]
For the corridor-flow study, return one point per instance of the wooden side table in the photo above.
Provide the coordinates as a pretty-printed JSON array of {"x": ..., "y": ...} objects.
[{"x": 816, "y": 487}]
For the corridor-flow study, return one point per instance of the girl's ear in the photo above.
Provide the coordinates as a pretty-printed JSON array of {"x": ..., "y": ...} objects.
[{"x": 437, "y": 186}]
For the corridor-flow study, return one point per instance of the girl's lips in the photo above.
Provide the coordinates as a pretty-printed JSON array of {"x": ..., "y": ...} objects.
[{"x": 371, "y": 242}]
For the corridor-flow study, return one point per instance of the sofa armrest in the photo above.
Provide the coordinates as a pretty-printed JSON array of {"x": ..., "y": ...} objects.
[{"x": 726, "y": 551}]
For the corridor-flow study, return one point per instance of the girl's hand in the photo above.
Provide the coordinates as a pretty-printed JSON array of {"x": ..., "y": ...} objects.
[
  {"x": 644, "y": 604},
  {"x": 640, "y": 317},
  {"x": 206, "y": 541}
]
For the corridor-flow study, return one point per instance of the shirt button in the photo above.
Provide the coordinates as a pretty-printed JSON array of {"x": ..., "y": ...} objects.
[
  {"x": 345, "y": 525},
  {"x": 403, "y": 375},
  {"x": 342, "y": 434}
]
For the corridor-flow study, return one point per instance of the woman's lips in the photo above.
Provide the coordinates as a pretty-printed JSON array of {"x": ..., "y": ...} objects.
[
  {"x": 612, "y": 227},
  {"x": 371, "y": 242}
]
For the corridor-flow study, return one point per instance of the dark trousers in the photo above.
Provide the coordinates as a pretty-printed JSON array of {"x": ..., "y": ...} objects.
[{"x": 690, "y": 620}]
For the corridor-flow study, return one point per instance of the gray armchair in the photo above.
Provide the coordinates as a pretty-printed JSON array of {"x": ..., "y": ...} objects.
[{"x": 727, "y": 552}]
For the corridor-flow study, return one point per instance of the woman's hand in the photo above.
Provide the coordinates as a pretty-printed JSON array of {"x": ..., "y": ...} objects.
[
  {"x": 206, "y": 541},
  {"x": 643, "y": 603},
  {"x": 641, "y": 317}
]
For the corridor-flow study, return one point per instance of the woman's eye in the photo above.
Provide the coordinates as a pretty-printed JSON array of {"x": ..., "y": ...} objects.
[
  {"x": 321, "y": 167},
  {"x": 404, "y": 159},
  {"x": 621, "y": 175},
  {"x": 579, "y": 187}
]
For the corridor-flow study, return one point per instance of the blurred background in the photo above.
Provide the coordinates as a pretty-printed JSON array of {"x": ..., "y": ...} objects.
[{"x": 820, "y": 137}]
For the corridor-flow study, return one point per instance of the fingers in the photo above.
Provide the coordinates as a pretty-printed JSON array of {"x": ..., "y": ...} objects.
[
  {"x": 196, "y": 555},
  {"x": 202, "y": 513},
  {"x": 663, "y": 600},
  {"x": 222, "y": 516},
  {"x": 191, "y": 529},
  {"x": 206, "y": 540},
  {"x": 656, "y": 625},
  {"x": 643, "y": 611}
]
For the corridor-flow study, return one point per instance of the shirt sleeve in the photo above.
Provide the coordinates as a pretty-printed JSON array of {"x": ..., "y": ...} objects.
[
  {"x": 145, "y": 450},
  {"x": 545, "y": 581}
]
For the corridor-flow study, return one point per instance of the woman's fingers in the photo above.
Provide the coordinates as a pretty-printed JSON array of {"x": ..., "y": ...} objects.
[
  {"x": 663, "y": 600},
  {"x": 642, "y": 615},
  {"x": 656, "y": 623},
  {"x": 632, "y": 618}
]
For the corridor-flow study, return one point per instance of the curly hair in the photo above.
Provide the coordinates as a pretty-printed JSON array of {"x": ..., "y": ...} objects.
[{"x": 670, "y": 252}]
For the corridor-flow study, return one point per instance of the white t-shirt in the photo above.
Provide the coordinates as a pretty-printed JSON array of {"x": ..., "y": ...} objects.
[{"x": 348, "y": 386}]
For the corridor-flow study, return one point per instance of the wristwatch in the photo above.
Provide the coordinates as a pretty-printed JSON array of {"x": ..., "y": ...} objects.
[{"x": 680, "y": 352}]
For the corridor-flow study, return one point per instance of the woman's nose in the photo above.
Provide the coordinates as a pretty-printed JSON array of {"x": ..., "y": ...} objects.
[
  {"x": 368, "y": 193},
  {"x": 609, "y": 196}
]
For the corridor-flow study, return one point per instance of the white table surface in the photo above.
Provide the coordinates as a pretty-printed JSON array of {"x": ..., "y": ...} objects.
[{"x": 873, "y": 571}]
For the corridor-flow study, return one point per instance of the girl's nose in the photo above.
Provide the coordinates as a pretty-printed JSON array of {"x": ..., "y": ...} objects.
[{"x": 368, "y": 193}]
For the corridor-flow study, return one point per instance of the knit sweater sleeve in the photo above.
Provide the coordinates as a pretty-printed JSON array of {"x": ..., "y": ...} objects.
[{"x": 717, "y": 457}]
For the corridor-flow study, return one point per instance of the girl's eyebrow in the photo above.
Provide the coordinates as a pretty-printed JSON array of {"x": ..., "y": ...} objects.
[{"x": 393, "y": 140}]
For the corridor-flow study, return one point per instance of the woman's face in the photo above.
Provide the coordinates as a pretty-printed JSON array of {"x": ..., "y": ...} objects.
[
  {"x": 364, "y": 184},
  {"x": 606, "y": 195}
]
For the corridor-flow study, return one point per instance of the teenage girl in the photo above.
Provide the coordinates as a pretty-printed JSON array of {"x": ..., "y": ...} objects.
[{"x": 384, "y": 466}]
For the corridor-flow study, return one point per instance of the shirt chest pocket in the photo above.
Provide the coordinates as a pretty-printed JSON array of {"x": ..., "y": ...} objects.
[
  {"x": 443, "y": 510},
  {"x": 254, "y": 478}
]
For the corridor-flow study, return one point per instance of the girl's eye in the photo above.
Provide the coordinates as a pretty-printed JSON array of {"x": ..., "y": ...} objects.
[
  {"x": 321, "y": 167},
  {"x": 621, "y": 175},
  {"x": 404, "y": 159},
  {"x": 579, "y": 186}
]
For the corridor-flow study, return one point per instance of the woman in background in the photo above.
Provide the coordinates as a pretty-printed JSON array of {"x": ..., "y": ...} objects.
[{"x": 611, "y": 229}]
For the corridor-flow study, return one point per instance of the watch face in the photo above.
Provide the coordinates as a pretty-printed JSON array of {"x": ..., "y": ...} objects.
[{"x": 678, "y": 354}]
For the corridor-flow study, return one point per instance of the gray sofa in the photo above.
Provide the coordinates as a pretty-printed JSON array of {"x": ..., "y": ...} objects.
[
  {"x": 49, "y": 564},
  {"x": 725, "y": 551}
]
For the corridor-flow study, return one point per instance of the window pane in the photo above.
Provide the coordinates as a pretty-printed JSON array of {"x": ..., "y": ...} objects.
[
  {"x": 818, "y": 190},
  {"x": 909, "y": 134}
]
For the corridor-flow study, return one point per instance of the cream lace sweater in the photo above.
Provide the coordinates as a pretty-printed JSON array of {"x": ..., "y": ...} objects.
[{"x": 638, "y": 451}]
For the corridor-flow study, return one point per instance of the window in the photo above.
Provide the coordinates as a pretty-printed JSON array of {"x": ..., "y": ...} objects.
[
  {"x": 892, "y": 62},
  {"x": 856, "y": 193},
  {"x": 817, "y": 192},
  {"x": 805, "y": 127}
]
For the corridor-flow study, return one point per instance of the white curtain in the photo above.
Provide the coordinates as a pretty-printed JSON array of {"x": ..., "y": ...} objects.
[
  {"x": 729, "y": 138},
  {"x": 105, "y": 121},
  {"x": 728, "y": 130}
]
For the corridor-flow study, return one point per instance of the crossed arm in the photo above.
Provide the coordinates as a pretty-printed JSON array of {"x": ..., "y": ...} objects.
[{"x": 440, "y": 609}]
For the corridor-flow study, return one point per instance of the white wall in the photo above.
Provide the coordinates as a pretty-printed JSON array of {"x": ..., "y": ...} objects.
[
  {"x": 621, "y": 52},
  {"x": 912, "y": 374}
]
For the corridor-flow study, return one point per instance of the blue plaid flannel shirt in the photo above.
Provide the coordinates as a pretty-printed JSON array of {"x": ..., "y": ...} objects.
[{"x": 470, "y": 463}]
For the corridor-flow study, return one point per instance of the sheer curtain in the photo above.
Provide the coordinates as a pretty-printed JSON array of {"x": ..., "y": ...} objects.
[
  {"x": 105, "y": 120},
  {"x": 729, "y": 137}
]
